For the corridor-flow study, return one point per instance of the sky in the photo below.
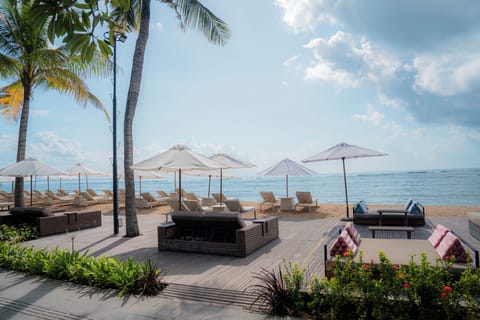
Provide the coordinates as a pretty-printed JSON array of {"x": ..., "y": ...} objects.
[{"x": 295, "y": 78}]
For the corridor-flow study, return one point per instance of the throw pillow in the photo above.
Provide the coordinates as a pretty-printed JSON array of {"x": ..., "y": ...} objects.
[
  {"x": 342, "y": 244},
  {"x": 353, "y": 233},
  {"x": 451, "y": 246},
  {"x": 437, "y": 235}
]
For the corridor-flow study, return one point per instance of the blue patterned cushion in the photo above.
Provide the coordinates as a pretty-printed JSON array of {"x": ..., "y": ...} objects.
[
  {"x": 408, "y": 204},
  {"x": 360, "y": 207},
  {"x": 416, "y": 208}
]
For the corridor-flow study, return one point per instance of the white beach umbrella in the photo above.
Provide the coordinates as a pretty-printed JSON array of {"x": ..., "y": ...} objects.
[
  {"x": 30, "y": 167},
  {"x": 141, "y": 174},
  {"x": 286, "y": 168},
  {"x": 79, "y": 169},
  {"x": 344, "y": 151},
  {"x": 230, "y": 163},
  {"x": 178, "y": 157},
  {"x": 209, "y": 174}
]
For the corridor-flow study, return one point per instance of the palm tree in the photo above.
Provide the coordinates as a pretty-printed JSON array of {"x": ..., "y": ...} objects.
[
  {"x": 79, "y": 22},
  {"x": 191, "y": 14},
  {"x": 28, "y": 60}
]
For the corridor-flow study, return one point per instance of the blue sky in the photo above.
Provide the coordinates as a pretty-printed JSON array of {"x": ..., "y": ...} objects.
[{"x": 296, "y": 77}]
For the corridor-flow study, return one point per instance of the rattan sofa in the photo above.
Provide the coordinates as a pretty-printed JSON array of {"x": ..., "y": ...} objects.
[
  {"x": 224, "y": 233},
  {"x": 52, "y": 222}
]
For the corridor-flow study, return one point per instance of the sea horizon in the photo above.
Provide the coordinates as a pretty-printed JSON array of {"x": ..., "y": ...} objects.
[{"x": 453, "y": 187}]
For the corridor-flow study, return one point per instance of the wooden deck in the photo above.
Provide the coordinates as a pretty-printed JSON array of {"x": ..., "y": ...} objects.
[{"x": 301, "y": 241}]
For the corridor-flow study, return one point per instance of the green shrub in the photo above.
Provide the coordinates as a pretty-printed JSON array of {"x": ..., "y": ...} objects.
[
  {"x": 375, "y": 291},
  {"x": 15, "y": 234},
  {"x": 126, "y": 276}
]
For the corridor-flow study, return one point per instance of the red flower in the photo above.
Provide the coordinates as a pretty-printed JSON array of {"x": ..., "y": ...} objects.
[
  {"x": 365, "y": 266},
  {"x": 447, "y": 289},
  {"x": 443, "y": 295},
  {"x": 395, "y": 267},
  {"x": 346, "y": 253},
  {"x": 406, "y": 285}
]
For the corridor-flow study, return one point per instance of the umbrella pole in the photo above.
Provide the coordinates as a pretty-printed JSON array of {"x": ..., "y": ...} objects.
[
  {"x": 79, "y": 183},
  {"x": 31, "y": 192},
  {"x": 140, "y": 185},
  {"x": 86, "y": 179},
  {"x": 286, "y": 180},
  {"x": 346, "y": 192},
  {"x": 221, "y": 187},
  {"x": 209, "y": 180},
  {"x": 60, "y": 183},
  {"x": 48, "y": 183},
  {"x": 179, "y": 189}
]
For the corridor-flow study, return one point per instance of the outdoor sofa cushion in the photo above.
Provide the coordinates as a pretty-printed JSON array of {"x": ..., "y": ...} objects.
[
  {"x": 451, "y": 246},
  {"x": 353, "y": 233},
  {"x": 437, "y": 235},
  {"x": 343, "y": 244}
]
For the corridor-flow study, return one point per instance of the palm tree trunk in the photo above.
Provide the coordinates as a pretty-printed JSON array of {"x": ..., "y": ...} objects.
[
  {"x": 131, "y": 221},
  {"x": 22, "y": 143}
]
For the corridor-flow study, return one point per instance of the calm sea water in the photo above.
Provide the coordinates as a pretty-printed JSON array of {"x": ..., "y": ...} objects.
[{"x": 435, "y": 187}]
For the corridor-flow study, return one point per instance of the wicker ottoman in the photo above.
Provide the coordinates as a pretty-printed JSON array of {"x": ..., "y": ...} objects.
[{"x": 474, "y": 224}]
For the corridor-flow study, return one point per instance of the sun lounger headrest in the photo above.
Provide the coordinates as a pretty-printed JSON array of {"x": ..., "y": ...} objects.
[
  {"x": 148, "y": 196},
  {"x": 360, "y": 207}
]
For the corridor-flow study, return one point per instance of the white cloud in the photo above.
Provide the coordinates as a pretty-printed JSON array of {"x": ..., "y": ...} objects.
[
  {"x": 389, "y": 102},
  {"x": 371, "y": 116},
  {"x": 290, "y": 61},
  {"x": 157, "y": 26},
  {"x": 347, "y": 61},
  {"x": 304, "y": 15},
  {"x": 448, "y": 74},
  {"x": 39, "y": 112}
]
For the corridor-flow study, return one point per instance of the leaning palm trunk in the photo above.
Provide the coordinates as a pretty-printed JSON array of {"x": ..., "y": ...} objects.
[
  {"x": 22, "y": 142},
  {"x": 132, "y": 228}
]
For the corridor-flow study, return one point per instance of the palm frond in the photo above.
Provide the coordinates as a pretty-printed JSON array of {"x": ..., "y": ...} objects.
[
  {"x": 194, "y": 15},
  {"x": 11, "y": 101}
]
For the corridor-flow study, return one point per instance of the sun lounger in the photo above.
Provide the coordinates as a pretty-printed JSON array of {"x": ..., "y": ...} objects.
[
  {"x": 162, "y": 194},
  {"x": 85, "y": 199},
  {"x": 66, "y": 200},
  {"x": 173, "y": 203},
  {"x": 217, "y": 197},
  {"x": 149, "y": 201},
  {"x": 195, "y": 205},
  {"x": 234, "y": 205},
  {"x": 216, "y": 233},
  {"x": 269, "y": 200},
  {"x": 305, "y": 201},
  {"x": 412, "y": 214}
]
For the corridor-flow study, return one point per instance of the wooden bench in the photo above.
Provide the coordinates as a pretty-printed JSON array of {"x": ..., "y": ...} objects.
[{"x": 409, "y": 230}]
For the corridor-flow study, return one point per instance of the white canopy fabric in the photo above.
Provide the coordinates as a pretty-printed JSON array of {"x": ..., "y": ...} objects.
[
  {"x": 178, "y": 157},
  {"x": 30, "y": 167},
  {"x": 344, "y": 151},
  {"x": 230, "y": 163},
  {"x": 287, "y": 167},
  {"x": 79, "y": 169}
]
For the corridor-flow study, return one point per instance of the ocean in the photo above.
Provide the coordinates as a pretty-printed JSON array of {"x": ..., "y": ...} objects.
[{"x": 452, "y": 187}]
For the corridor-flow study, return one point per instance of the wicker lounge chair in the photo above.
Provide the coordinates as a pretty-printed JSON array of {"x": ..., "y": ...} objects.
[
  {"x": 305, "y": 201},
  {"x": 217, "y": 197},
  {"x": 173, "y": 203},
  {"x": 269, "y": 200},
  {"x": 50, "y": 222},
  {"x": 216, "y": 233},
  {"x": 196, "y": 205}
]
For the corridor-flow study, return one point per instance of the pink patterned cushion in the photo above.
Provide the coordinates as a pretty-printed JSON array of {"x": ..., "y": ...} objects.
[
  {"x": 451, "y": 246},
  {"x": 352, "y": 232},
  {"x": 437, "y": 235},
  {"x": 342, "y": 244}
]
